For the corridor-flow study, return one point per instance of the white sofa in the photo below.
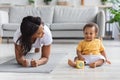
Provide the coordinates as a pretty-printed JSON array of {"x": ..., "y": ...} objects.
[{"x": 64, "y": 22}]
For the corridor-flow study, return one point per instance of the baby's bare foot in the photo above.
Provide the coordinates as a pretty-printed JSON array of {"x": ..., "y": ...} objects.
[
  {"x": 92, "y": 65},
  {"x": 71, "y": 63}
]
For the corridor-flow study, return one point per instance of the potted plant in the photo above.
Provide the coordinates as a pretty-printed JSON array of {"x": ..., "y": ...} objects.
[
  {"x": 31, "y": 2},
  {"x": 116, "y": 16},
  {"x": 47, "y": 1},
  {"x": 115, "y": 11},
  {"x": 104, "y": 1}
]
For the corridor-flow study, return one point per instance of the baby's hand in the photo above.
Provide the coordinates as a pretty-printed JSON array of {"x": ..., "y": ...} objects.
[
  {"x": 34, "y": 63},
  {"x": 81, "y": 58},
  {"x": 108, "y": 62},
  {"x": 25, "y": 63}
]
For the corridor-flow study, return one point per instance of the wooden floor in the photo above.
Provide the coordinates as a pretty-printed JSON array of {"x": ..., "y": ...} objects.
[{"x": 64, "y": 72}]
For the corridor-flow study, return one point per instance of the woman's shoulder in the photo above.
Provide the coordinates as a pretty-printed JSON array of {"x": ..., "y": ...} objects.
[
  {"x": 46, "y": 27},
  {"x": 47, "y": 38}
]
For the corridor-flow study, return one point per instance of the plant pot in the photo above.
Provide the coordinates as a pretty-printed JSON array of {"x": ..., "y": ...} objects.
[
  {"x": 119, "y": 35},
  {"x": 63, "y": 3},
  {"x": 47, "y": 3},
  {"x": 103, "y": 3}
]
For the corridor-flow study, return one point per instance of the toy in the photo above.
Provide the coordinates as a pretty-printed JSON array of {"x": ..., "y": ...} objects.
[{"x": 80, "y": 64}]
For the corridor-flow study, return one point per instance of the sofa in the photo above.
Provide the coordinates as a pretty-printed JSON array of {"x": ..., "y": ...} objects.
[{"x": 63, "y": 21}]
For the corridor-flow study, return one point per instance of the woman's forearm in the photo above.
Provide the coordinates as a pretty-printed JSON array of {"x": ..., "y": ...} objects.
[
  {"x": 42, "y": 61},
  {"x": 20, "y": 60}
]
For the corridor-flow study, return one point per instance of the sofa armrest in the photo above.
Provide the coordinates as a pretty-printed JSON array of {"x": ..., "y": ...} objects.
[
  {"x": 101, "y": 23},
  {"x": 3, "y": 20}
]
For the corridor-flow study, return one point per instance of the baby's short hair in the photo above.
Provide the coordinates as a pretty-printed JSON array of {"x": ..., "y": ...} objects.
[{"x": 91, "y": 25}]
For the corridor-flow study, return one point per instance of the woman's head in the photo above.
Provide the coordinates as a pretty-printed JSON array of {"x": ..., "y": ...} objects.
[
  {"x": 31, "y": 28},
  {"x": 90, "y": 31},
  {"x": 30, "y": 25}
]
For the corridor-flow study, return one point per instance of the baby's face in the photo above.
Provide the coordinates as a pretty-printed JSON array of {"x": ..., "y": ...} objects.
[{"x": 89, "y": 33}]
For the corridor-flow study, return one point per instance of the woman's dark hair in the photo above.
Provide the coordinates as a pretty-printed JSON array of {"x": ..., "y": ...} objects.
[
  {"x": 91, "y": 25},
  {"x": 29, "y": 26}
]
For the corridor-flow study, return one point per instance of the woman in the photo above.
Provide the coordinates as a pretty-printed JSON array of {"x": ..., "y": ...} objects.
[{"x": 32, "y": 33}]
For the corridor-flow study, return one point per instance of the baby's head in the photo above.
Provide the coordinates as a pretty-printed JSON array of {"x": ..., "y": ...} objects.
[{"x": 90, "y": 31}]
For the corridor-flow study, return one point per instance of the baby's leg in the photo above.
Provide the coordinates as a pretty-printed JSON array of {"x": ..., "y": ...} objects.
[
  {"x": 71, "y": 63},
  {"x": 96, "y": 63}
]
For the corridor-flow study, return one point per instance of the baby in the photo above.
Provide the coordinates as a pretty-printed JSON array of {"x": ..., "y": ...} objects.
[{"x": 90, "y": 50}]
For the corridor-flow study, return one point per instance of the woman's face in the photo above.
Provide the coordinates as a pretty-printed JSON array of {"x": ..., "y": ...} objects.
[
  {"x": 89, "y": 33},
  {"x": 39, "y": 33}
]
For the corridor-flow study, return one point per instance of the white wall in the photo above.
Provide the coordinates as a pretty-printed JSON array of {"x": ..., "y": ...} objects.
[
  {"x": 92, "y": 2},
  {"x": 17, "y": 2},
  {"x": 40, "y": 2}
]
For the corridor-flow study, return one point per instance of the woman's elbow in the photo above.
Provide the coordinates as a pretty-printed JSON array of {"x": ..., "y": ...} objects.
[{"x": 18, "y": 61}]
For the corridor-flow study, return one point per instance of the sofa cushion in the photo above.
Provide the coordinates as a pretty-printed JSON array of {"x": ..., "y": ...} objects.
[
  {"x": 10, "y": 26},
  {"x": 46, "y": 13},
  {"x": 67, "y": 26},
  {"x": 17, "y": 13},
  {"x": 73, "y": 14},
  {"x": 67, "y": 34}
]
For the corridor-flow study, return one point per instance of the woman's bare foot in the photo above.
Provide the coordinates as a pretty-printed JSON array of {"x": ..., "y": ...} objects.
[
  {"x": 71, "y": 63},
  {"x": 92, "y": 65}
]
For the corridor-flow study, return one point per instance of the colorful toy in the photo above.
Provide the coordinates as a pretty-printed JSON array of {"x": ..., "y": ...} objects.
[{"x": 80, "y": 64}]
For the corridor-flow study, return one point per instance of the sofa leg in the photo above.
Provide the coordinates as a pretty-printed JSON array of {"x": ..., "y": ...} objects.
[
  {"x": 0, "y": 39},
  {"x": 7, "y": 39}
]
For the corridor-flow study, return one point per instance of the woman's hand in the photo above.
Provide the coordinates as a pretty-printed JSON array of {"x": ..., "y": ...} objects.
[
  {"x": 34, "y": 63},
  {"x": 25, "y": 63}
]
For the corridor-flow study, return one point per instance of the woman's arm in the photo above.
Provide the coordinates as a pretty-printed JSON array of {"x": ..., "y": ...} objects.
[
  {"x": 19, "y": 57},
  {"x": 44, "y": 57}
]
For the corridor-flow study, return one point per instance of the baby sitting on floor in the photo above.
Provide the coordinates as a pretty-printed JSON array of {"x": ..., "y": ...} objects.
[{"x": 90, "y": 50}]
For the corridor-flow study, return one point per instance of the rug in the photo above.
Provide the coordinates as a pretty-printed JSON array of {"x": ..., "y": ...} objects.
[{"x": 13, "y": 66}]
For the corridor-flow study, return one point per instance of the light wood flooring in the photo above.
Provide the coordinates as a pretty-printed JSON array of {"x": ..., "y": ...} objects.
[{"x": 64, "y": 72}]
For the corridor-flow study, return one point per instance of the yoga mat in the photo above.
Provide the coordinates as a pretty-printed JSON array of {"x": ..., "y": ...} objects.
[{"x": 13, "y": 66}]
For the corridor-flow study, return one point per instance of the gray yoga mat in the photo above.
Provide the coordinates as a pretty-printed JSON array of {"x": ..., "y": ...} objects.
[{"x": 12, "y": 66}]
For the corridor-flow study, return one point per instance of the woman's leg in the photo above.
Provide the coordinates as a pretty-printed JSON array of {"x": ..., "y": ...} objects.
[{"x": 96, "y": 63}]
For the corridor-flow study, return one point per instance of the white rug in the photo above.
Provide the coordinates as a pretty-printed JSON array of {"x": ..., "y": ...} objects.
[{"x": 13, "y": 66}]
